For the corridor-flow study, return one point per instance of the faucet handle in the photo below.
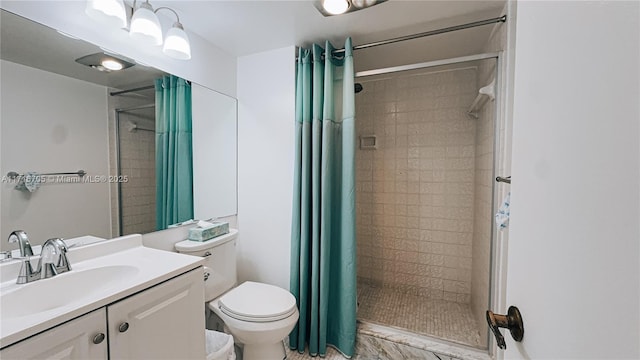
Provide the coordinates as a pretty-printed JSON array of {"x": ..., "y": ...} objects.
[{"x": 6, "y": 255}]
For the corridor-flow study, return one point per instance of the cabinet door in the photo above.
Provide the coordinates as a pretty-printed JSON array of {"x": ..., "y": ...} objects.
[
  {"x": 82, "y": 338},
  {"x": 163, "y": 322}
]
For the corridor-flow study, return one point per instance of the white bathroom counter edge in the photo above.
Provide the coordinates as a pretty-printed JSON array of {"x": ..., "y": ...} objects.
[{"x": 156, "y": 266}]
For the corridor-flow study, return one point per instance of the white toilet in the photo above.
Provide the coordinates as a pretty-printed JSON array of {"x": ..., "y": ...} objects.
[{"x": 259, "y": 316}]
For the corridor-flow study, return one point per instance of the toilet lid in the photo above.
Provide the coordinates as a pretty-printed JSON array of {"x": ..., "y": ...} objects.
[{"x": 257, "y": 302}]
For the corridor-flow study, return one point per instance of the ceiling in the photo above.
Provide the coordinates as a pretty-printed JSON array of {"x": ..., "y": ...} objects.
[{"x": 245, "y": 27}]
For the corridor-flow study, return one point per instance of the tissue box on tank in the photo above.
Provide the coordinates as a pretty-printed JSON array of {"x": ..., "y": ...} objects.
[{"x": 208, "y": 233}]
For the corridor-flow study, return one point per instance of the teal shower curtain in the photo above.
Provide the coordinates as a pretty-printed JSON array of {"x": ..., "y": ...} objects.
[
  {"x": 323, "y": 247},
  {"x": 174, "y": 175}
]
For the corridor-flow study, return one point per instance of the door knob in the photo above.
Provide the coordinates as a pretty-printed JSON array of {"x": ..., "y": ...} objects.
[{"x": 511, "y": 321}]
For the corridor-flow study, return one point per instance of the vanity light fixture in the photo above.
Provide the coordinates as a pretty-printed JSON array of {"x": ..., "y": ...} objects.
[
  {"x": 337, "y": 7},
  {"x": 109, "y": 12},
  {"x": 145, "y": 26}
]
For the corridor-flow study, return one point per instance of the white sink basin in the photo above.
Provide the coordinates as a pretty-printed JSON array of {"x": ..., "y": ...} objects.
[{"x": 60, "y": 290}]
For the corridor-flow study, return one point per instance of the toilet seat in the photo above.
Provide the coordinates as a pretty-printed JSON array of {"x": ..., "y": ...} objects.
[{"x": 257, "y": 302}]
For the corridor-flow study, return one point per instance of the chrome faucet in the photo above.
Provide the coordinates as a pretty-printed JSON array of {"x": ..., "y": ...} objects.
[
  {"x": 22, "y": 239},
  {"x": 53, "y": 261}
]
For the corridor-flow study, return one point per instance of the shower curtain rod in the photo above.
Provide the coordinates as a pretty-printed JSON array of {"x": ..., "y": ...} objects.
[
  {"x": 141, "y": 107},
  {"x": 495, "y": 20},
  {"x": 428, "y": 64},
  {"x": 114, "y": 93},
  {"x": 148, "y": 87}
]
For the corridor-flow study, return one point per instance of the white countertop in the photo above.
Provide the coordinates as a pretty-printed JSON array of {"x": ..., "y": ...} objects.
[{"x": 151, "y": 268}]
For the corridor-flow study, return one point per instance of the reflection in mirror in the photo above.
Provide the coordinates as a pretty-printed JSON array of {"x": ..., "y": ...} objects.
[
  {"x": 62, "y": 116},
  {"x": 134, "y": 148},
  {"x": 211, "y": 126}
]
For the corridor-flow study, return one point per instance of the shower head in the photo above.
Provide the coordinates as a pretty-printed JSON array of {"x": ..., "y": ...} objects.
[
  {"x": 131, "y": 126},
  {"x": 358, "y": 87}
]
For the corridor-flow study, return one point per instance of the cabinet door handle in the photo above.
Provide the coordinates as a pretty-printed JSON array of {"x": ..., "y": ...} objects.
[
  {"x": 98, "y": 338},
  {"x": 123, "y": 327}
]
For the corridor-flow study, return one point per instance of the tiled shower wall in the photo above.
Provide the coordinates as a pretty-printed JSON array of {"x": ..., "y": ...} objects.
[
  {"x": 415, "y": 192},
  {"x": 137, "y": 153}
]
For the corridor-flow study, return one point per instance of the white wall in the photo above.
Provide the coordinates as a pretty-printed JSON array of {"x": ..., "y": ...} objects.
[
  {"x": 41, "y": 132},
  {"x": 266, "y": 115},
  {"x": 574, "y": 266},
  {"x": 209, "y": 66}
]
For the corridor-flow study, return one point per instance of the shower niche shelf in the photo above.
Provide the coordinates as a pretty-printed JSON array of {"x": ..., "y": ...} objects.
[{"x": 368, "y": 142}]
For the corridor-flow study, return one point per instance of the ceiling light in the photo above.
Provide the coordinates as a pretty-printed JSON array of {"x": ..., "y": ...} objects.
[
  {"x": 338, "y": 7},
  {"x": 105, "y": 62},
  {"x": 335, "y": 7},
  {"x": 111, "y": 12},
  {"x": 145, "y": 25},
  {"x": 176, "y": 44},
  {"x": 112, "y": 64}
]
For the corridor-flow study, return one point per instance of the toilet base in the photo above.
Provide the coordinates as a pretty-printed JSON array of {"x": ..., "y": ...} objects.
[{"x": 264, "y": 351}]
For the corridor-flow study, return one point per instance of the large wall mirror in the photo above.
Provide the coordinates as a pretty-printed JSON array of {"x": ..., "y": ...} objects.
[{"x": 60, "y": 116}]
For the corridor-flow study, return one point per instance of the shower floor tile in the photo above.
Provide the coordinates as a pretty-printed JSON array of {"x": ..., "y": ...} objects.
[{"x": 437, "y": 318}]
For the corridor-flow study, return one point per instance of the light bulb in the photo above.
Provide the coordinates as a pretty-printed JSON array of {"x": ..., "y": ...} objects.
[
  {"x": 360, "y": 4},
  {"x": 110, "y": 12},
  {"x": 335, "y": 7},
  {"x": 176, "y": 44},
  {"x": 145, "y": 25},
  {"x": 112, "y": 64}
]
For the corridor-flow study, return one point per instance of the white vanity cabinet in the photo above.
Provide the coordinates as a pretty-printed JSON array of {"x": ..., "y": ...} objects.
[
  {"x": 165, "y": 321},
  {"x": 81, "y": 338}
]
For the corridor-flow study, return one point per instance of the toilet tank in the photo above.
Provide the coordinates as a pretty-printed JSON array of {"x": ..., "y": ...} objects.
[{"x": 220, "y": 253}]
